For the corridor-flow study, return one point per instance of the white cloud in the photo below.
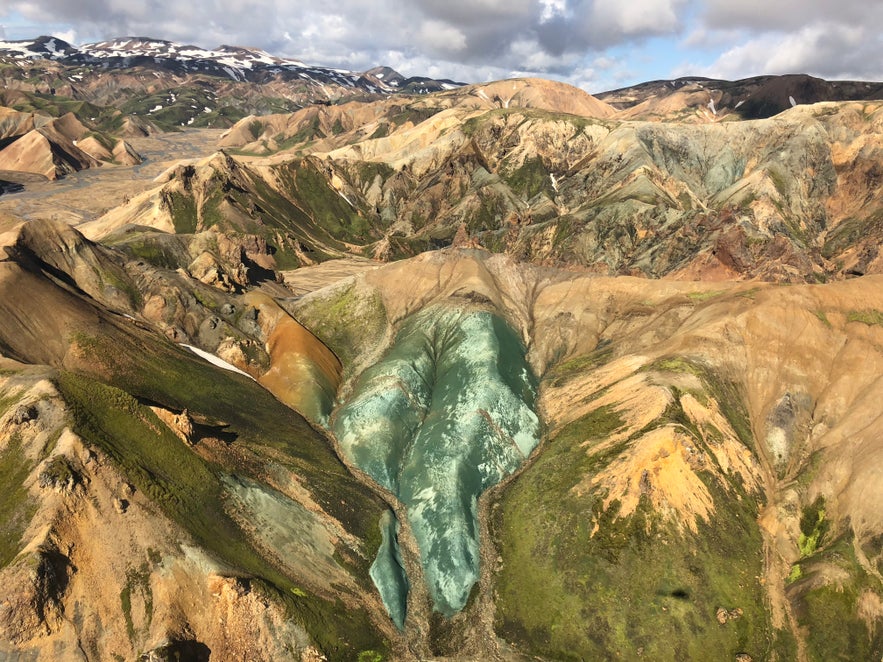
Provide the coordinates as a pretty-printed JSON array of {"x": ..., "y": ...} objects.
[
  {"x": 440, "y": 37},
  {"x": 825, "y": 50},
  {"x": 472, "y": 39}
]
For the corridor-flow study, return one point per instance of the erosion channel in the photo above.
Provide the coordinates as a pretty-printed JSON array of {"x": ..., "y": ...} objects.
[{"x": 443, "y": 416}]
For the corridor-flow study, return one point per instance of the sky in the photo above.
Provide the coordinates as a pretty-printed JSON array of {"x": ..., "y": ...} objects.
[{"x": 594, "y": 44}]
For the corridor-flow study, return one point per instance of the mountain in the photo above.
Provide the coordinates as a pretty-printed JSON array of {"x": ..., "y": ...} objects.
[
  {"x": 758, "y": 97},
  {"x": 708, "y": 456},
  {"x": 789, "y": 199},
  {"x": 175, "y": 85},
  {"x": 497, "y": 372},
  {"x": 35, "y": 147}
]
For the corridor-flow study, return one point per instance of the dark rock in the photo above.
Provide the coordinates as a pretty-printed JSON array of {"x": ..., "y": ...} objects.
[{"x": 24, "y": 413}]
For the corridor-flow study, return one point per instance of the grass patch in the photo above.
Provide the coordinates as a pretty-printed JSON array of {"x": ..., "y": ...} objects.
[
  {"x": 190, "y": 491},
  {"x": 699, "y": 297},
  {"x": 350, "y": 322},
  {"x": 580, "y": 582},
  {"x": 16, "y": 510},
  {"x": 823, "y": 318},
  {"x": 828, "y": 609},
  {"x": 813, "y": 527},
  {"x": 530, "y": 179},
  {"x": 869, "y": 317},
  {"x": 563, "y": 372}
]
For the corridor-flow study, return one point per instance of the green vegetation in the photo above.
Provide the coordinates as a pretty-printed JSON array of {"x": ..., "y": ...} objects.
[
  {"x": 826, "y": 604},
  {"x": 869, "y": 317},
  {"x": 846, "y": 234},
  {"x": 778, "y": 181},
  {"x": 563, "y": 372},
  {"x": 182, "y": 208},
  {"x": 349, "y": 321},
  {"x": 813, "y": 527},
  {"x": 192, "y": 106},
  {"x": 699, "y": 297},
  {"x": 137, "y": 579},
  {"x": 255, "y": 128},
  {"x": 579, "y": 581},
  {"x": 823, "y": 318},
  {"x": 16, "y": 510},
  {"x": 326, "y": 206},
  {"x": 58, "y": 471},
  {"x": 531, "y": 179},
  {"x": 157, "y": 249},
  {"x": 677, "y": 364},
  {"x": 189, "y": 490}
]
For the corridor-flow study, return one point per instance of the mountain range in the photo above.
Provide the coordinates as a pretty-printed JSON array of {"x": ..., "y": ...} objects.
[{"x": 505, "y": 371}]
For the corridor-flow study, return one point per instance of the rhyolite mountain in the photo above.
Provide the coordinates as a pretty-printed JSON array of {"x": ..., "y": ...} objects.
[
  {"x": 172, "y": 85},
  {"x": 595, "y": 388}
]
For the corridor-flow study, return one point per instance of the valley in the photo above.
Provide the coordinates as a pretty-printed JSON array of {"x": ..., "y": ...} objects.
[{"x": 502, "y": 371}]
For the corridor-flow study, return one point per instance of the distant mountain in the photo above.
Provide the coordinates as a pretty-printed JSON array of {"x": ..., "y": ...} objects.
[
  {"x": 233, "y": 62},
  {"x": 749, "y": 98}
]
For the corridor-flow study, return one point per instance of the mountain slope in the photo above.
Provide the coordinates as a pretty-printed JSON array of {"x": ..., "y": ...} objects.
[
  {"x": 790, "y": 198},
  {"x": 706, "y": 99},
  {"x": 174, "y": 85},
  {"x": 219, "y": 487},
  {"x": 704, "y": 485}
]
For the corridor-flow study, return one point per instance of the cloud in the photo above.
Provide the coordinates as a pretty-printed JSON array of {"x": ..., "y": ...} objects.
[
  {"x": 787, "y": 15},
  {"x": 470, "y": 40},
  {"x": 822, "y": 49}
]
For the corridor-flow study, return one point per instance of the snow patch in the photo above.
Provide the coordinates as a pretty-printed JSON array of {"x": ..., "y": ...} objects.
[{"x": 215, "y": 360}]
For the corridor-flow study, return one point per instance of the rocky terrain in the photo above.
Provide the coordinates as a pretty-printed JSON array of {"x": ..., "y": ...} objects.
[
  {"x": 491, "y": 373},
  {"x": 37, "y": 147},
  {"x": 167, "y": 85}
]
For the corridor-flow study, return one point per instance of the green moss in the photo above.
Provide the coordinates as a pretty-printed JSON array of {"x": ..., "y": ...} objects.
[
  {"x": 699, "y": 297},
  {"x": 190, "y": 492},
  {"x": 137, "y": 580},
  {"x": 823, "y": 318},
  {"x": 869, "y": 317},
  {"x": 826, "y": 605},
  {"x": 531, "y": 179},
  {"x": 813, "y": 527},
  {"x": 182, "y": 208},
  {"x": 347, "y": 320},
  {"x": 382, "y": 131},
  {"x": 778, "y": 182},
  {"x": 58, "y": 471},
  {"x": 847, "y": 233},
  {"x": 676, "y": 364},
  {"x": 580, "y": 581},
  {"x": 563, "y": 372},
  {"x": 16, "y": 509},
  {"x": 255, "y": 128}
]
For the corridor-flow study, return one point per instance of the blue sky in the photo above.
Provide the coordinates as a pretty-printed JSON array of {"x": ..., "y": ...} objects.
[{"x": 595, "y": 44}]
